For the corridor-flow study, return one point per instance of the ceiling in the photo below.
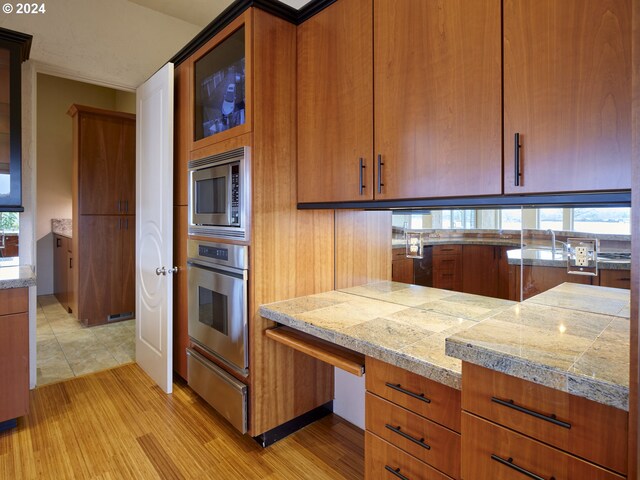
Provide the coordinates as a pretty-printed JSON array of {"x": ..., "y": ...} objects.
[{"x": 198, "y": 12}]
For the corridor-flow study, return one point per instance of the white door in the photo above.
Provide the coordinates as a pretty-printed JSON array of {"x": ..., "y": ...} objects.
[{"x": 154, "y": 227}]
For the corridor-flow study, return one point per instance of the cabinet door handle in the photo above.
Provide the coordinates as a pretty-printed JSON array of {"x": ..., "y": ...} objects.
[
  {"x": 516, "y": 156},
  {"x": 126, "y": 224},
  {"x": 419, "y": 396},
  {"x": 119, "y": 206},
  {"x": 362, "y": 167},
  {"x": 407, "y": 436},
  {"x": 126, "y": 206},
  {"x": 380, "y": 164},
  {"x": 509, "y": 463},
  {"x": 546, "y": 418},
  {"x": 70, "y": 262},
  {"x": 58, "y": 243},
  {"x": 396, "y": 472}
]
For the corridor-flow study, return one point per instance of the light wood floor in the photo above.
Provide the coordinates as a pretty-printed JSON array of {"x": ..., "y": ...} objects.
[{"x": 117, "y": 424}]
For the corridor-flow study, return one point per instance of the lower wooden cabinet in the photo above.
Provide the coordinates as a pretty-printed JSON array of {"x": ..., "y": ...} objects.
[
  {"x": 384, "y": 461},
  {"x": 401, "y": 267},
  {"x": 447, "y": 267},
  {"x": 615, "y": 278},
  {"x": 62, "y": 274},
  {"x": 493, "y": 452},
  {"x": 410, "y": 425},
  {"x": 485, "y": 270},
  {"x": 14, "y": 353}
]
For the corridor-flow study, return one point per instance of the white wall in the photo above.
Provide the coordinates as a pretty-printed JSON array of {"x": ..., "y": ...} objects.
[
  {"x": 113, "y": 42},
  {"x": 349, "y": 397}
]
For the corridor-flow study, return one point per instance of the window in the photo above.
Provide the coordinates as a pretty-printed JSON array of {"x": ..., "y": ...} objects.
[
  {"x": 550, "y": 218},
  {"x": 511, "y": 219},
  {"x": 9, "y": 222},
  {"x": 602, "y": 220}
]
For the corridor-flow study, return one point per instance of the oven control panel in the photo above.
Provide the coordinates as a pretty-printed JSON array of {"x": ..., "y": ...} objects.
[{"x": 213, "y": 252}]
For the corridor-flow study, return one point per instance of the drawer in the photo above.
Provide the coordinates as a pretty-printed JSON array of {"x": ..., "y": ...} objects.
[
  {"x": 433, "y": 444},
  {"x": 219, "y": 389},
  {"x": 447, "y": 250},
  {"x": 584, "y": 428},
  {"x": 383, "y": 461},
  {"x": 398, "y": 253},
  {"x": 491, "y": 451},
  {"x": 425, "y": 397},
  {"x": 14, "y": 300}
]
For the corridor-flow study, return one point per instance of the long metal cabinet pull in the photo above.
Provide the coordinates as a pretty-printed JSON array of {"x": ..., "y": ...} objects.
[
  {"x": 419, "y": 396},
  {"x": 509, "y": 463},
  {"x": 362, "y": 167},
  {"x": 396, "y": 472},
  {"x": 408, "y": 437},
  {"x": 380, "y": 164},
  {"x": 546, "y": 418},
  {"x": 516, "y": 156}
]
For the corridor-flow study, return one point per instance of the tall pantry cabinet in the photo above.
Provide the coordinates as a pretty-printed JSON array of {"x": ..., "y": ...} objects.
[{"x": 103, "y": 215}]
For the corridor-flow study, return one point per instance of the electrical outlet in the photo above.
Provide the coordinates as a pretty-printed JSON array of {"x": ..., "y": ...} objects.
[{"x": 582, "y": 258}]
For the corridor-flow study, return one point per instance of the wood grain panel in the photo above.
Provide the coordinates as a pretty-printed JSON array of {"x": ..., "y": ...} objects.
[
  {"x": 634, "y": 371},
  {"x": 443, "y": 445},
  {"x": 437, "y": 80},
  {"x": 180, "y": 292},
  {"x": 14, "y": 362},
  {"x": 363, "y": 247},
  {"x": 244, "y": 19},
  {"x": 567, "y": 85},
  {"x": 615, "y": 278},
  {"x": 60, "y": 269},
  {"x": 481, "y": 439},
  {"x": 14, "y": 300},
  {"x": 129, "y": 428},
  {"x": 402, "y": 270},
  {"x": 480, "y": 270},
  {"x": 444, "y": 407},
  {"x": 537, "y": 279},
  {"x": 291, "y": 251},
  {"x": 328, "y": 352},
  {"x": 380, "y": 454},
  {"x": 589, "y": 420},
  {"x": 124, "y": 286},
  {"x": 335, "y": 103},
  {"x": 181, "y": 134}
]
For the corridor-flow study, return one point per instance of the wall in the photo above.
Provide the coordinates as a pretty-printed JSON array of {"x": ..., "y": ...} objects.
[
  {"x": 54, "y": 156},
  {"x": 117, "y": 42}
]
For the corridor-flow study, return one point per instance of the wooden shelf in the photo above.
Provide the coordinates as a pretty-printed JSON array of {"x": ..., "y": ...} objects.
[{"x": 343, "y": 358}]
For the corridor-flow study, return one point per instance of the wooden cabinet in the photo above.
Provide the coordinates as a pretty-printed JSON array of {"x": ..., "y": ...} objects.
[
  {"x": 615, "y": 278},
  {"x": 14, "y": 355},
  {"x": 437, "y": 98},
  {"x": 485, "y": 270},
  {"x": 564, "y": 421},
  {"x": 106, "y": 266},
  {"x": 567, "y": 92},
  {"x": 435, "y": 85},
  {"x": 401, "y": 266},
  {"x": 9, "y": 246},
  {"x": 62, "y": 265},
  {"x": 104, "y": 175},
  {"x": 335, "y": 104},
  {"x": 103, "y": 244},
  {"x": 447, "y": 267},
  {"x": 410, "y": 420},
  {"x": 180, "y": 293},
  {"x": 537, "y": 279}
]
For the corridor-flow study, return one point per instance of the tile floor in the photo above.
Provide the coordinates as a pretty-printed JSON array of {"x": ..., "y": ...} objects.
[{"x": 66, "y": 349}]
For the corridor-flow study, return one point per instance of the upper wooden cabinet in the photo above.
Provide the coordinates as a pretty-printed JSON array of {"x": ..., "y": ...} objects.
[
  {"x": 567, "y": 92},
  {"x": 437, "y": 98},
  {"x": 104, "y": 168},
  {"x": 220, "y": 81},
  {"x": 335, "y": 104}
]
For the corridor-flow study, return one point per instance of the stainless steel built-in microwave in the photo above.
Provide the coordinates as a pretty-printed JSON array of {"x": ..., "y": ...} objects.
[{"x": 216, "y": 194}]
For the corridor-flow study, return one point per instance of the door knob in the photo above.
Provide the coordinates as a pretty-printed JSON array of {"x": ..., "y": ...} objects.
[
  {"x": 172, "y": 270},
  {"x": 161, "y": 271}
]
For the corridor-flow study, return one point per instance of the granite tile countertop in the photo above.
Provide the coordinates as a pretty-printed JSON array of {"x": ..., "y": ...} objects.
[
  {"x": 574, "y": 338},
  {"x": 512, "y": 242},
  {"x": 405, "y": 325},
  {"x": 13, "y": 275},
  {"x": 62, "y": 226}
]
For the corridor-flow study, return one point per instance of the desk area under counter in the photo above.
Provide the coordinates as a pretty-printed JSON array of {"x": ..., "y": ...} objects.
[{"x": 403, "y": 329}]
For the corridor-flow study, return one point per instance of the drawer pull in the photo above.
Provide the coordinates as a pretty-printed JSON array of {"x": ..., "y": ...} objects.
[
  {"x": 419, "y": 396},
  {"x": 407, "y": 436},
  {"x": 509, "y": 463},
  {"x": 396, "y": 472},
  {"x": 547, "y": 418}
]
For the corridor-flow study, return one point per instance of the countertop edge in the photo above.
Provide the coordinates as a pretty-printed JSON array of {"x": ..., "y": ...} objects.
[
  {"x": 600, "y": 391},
  {"x": 428, "y": 370},
  {"x": 26, "y": 277}
]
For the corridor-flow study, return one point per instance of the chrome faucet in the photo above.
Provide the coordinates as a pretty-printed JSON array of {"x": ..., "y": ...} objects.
[{"x": 565, "y": 247}]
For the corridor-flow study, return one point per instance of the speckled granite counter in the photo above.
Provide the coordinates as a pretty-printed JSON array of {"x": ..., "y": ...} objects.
[
  {"x": 13, "y": 275},
  {"x": 507, "y": 242},
  {"x": 62, "y": 226},
  {"x": 405, "y": 325},
  {"x": 574, "y": 338},
  {"x": 545, "y": 258}
]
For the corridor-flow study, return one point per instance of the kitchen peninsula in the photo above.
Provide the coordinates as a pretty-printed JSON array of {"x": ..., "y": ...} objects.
[{"x": 572, "y": 339}]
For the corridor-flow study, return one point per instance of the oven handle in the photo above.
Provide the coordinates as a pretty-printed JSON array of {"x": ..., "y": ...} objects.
[{"x": 219, "y": 269}]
